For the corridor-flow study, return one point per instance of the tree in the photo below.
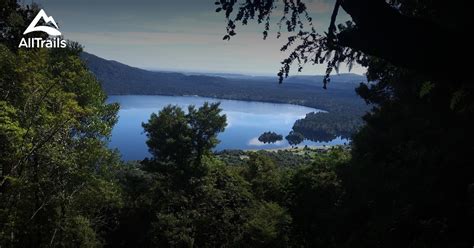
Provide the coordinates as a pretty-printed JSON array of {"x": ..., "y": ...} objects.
[
  {"x": 193, "y": 200},
  {"x": 14, "y": 18},
  {"x": 212, "y": 214},
  {"x": 181, "y": 140},
  {"x": 315, "y": 195},
  {"x": 394, "y": 31},
  {"x": 268, "y": 226},
  {"x": 169, "y": 136},
  {"x": 294, "y": 138},
  {"x": 409, "y": 158},
  {"x": 56, "y": 172},
  {"x": 206, "y": 122},
  {"x": 264, "y": 177},
  {"x": 270, "y": 137}
]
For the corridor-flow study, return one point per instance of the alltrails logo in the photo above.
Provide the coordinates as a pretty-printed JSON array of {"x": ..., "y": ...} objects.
[{"x": 52, "y": 42}]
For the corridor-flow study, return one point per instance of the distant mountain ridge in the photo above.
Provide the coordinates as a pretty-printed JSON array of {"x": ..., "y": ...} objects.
[{"x": 121, "y": 79}]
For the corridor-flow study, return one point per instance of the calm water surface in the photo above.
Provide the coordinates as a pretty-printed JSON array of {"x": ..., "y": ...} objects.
[{"x": 245, "y": 122}]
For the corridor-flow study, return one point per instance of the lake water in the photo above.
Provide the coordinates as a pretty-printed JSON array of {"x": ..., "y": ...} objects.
[{"x": 246, "y": 121}]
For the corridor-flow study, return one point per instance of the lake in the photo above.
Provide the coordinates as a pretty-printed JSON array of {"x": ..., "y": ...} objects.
[{"x": 246, "y": 121}]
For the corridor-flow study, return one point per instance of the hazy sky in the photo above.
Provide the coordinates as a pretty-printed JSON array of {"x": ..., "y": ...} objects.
[{"x": 181, "y": 35}]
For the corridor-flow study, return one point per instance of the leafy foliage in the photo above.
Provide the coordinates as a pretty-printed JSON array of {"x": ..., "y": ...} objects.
[
  {"x": 56, "y": 175},
  {"x": 181, "y": 140}
]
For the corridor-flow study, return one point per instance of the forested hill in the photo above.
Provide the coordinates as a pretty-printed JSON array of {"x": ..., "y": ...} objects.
[{"x": 121, "y": 79}]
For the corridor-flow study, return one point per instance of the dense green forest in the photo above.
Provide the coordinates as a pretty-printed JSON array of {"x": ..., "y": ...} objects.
[
  {"x": 57, "y": 176},
  {"x": 406, "y": 181}
]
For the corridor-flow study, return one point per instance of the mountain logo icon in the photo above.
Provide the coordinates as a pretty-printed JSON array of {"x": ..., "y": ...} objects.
[{"x": 47, "y": 29}]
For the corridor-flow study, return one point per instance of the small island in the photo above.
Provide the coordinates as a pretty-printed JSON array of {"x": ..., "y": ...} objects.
[
  {"x": 270, "y": 137},
  {"x": 294, "y": 138}
]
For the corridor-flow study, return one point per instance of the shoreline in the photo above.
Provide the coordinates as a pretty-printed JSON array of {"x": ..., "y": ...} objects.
[
  {"x": 297, "y": 148},
  {"x": 229, "y": 99}
]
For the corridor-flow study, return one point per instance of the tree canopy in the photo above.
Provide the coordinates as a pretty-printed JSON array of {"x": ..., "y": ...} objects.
[
  {"x": 180, "y": 137},
  {"x": 57, "y": 174}
]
